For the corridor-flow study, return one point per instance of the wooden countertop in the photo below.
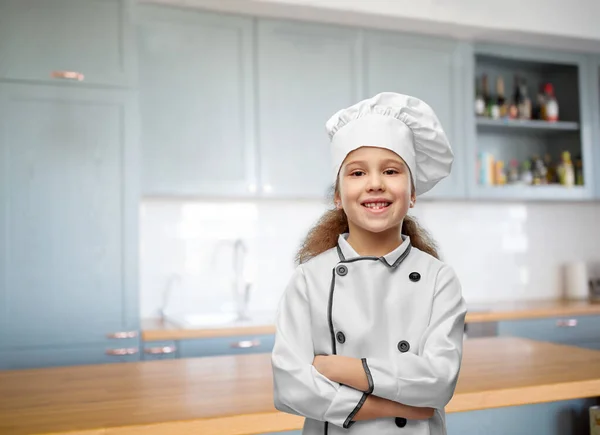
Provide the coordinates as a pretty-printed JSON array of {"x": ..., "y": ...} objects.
[
  {"x": 155, "y": 329},
  {"x": 232, "y": 395}
]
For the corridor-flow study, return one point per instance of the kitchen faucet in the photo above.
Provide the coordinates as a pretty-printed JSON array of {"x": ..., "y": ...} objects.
[{"x": 241, "y": 289}]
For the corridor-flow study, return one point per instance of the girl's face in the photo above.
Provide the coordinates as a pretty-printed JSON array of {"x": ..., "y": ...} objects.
[{"x": 374, "y": 189}]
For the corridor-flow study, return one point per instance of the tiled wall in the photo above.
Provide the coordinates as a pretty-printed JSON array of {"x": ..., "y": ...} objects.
[{"x": 501, "y": 251}]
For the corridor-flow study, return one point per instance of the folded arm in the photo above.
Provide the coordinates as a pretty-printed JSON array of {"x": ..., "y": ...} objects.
[
  {"x": 428, "y": 379},
  {"x": 298, "y": 387}
]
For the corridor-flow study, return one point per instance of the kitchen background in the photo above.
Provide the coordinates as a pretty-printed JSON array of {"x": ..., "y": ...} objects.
[{"x": 175, "y": 152}]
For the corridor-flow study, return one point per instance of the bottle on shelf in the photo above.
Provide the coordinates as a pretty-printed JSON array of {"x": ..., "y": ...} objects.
[
  {"x": 550, "y": 104},
  {"x": 487, "y": 100},
  {"x": 550, "y": 170},
  {"x": 479, "y": 100},
  {"x": 513, "y": 172},
  {"x": 501, "y": 106},
  {"x": 526, "y": 175},
  {"x": 566, "y": 173},
  {"x": 513, "y": 108},
  {"x": 524, "y": 102}
]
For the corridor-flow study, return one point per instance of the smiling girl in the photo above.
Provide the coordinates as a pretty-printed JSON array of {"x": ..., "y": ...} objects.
[{"x": 369, "y": 329}]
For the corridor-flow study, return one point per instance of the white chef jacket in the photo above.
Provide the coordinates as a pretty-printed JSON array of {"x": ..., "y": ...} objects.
[{"x": 402, "y": 314}]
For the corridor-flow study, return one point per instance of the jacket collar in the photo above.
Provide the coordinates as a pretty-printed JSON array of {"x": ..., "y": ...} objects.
[{"x": 393, "y": 259}]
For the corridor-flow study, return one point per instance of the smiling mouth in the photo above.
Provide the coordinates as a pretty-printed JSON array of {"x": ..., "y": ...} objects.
[{"x": 376, "y": 205}]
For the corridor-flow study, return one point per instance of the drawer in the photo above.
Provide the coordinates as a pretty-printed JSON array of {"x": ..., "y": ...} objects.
[
  {"x": 238, "y": 345},
  {"x": 159, "y": 350},
  {"x": 556, "y": 329},
  {"x": 40, "y": 357}
]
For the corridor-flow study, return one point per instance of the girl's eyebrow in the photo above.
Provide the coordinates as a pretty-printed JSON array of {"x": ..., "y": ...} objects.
[
  {"x": 356, "y": 162},
  {"x": 396, "y": 161}
]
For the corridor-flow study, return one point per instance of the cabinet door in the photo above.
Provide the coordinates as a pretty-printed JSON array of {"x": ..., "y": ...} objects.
[
  {"x": 68, "y": 216},
  {"x": 306, "y": 73},
  {"x": 430, "y": 69},
  {"x": 196, "y": 88},
  {"x": 48, "y": 40}
]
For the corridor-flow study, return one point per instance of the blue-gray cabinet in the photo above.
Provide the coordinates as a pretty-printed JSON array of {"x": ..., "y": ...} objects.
[
  {"x": 594, "y": 79},
  {"x": 306, "y": 73},
  {"x": 67, "y": 41},
  {"x": 581, "y": 331},
  {"x": 68, "y": 219},
  {"x": 196, "y": 102},
  {"x": 429, "y": 68},
  {"x": 238, "y": 345}
]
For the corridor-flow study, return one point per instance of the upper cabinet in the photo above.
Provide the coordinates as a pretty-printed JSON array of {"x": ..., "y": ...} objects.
[
  {"x": 428, "y": 68},
  {"x": 74, "y": 41},
  {"x": 530, "y": 124},
  {"x": 595, "y": 104},
  {"x": 306, "y": 73},
  {"x": 196, "y": 102}
]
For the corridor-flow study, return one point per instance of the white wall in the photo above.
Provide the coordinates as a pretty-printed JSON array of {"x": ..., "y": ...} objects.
[
  {"x": 560, "y": 24},
  {"x": 501, "y": 251}
]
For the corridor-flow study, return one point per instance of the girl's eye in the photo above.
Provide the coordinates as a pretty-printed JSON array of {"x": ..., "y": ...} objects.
[
  {"x": 391, "y": 171},
  {"x": 357, "y": 173}
]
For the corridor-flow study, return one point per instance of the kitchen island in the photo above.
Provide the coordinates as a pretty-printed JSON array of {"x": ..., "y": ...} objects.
[{"x": 232, "y": 395}]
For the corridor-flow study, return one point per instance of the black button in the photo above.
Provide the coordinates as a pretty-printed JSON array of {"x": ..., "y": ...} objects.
[
  {"x": 341, "y": 337},
  {"x": 342, "y": 270},
  {"x": 403, "y": 346},
  {"x": 401, "y": 422},
  {"x": 414, "y": 276}
]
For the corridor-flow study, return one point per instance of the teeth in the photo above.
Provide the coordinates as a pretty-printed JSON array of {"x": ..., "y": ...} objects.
[{"x": 376, "y": 204}]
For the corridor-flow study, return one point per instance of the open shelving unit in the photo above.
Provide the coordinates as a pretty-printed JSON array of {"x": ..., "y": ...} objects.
[{"x": 508, "y": 139}]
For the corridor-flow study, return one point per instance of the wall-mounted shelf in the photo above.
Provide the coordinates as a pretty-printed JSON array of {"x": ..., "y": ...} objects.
[
  {"x": 502, "y": 144},
  {"x": 521, "y": 192},
  {"x": 537, "y": 125}
]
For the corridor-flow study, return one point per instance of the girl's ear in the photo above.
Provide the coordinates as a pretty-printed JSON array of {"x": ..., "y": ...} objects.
[
  {"x": 412, "y": 201},
  {"x": 337, "y": 201}
]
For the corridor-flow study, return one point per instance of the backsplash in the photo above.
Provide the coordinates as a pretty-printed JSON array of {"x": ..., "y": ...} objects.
[{"x": 500, "y": 251}]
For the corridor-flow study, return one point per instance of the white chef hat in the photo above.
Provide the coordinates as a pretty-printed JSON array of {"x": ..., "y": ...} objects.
[{"x": 400, "y": 123}]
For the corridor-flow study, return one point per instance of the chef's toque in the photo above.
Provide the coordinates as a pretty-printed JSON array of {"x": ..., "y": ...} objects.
[{"x": 400, "y": 123}]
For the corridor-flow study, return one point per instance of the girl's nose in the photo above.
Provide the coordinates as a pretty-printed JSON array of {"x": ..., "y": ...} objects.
[{"x": 375, "y": 183}]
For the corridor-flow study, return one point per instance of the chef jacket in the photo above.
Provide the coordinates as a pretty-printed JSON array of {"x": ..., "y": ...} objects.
[{"x": 401, "y": 314}]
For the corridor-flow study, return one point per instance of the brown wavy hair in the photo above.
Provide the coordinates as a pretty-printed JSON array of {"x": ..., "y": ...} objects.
[{"x": 324, "y": 235}]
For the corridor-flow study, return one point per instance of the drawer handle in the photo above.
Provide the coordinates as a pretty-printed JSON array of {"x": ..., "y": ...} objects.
[
  {"x": 122, "y": 351},
  {"x": 566, "y": 323},
  {"x": 68, "y": 75},
  {"x": 160, "y": 350},
  {"x": 123, "y": 334},
  {"x": 245, "y": 344}
]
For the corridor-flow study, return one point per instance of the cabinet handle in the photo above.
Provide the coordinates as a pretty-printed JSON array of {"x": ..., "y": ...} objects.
[
  {"x": 245, "y": 344},
  {"x": 68, "y": 75},
  {"x": 160, "y": 350},
  {"x": 122, "y": 351},
  {"x": 566, "y": 323},
  {"x": 123, "y": 334}
]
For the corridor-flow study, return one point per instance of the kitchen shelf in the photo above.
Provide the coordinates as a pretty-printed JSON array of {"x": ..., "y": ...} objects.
[
  {"x": 502, "y": 124},
  {"x": 521, "y": 192}
]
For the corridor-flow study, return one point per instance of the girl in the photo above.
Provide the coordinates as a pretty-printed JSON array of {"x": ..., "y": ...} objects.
[{"x": 370, "y": 328}]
